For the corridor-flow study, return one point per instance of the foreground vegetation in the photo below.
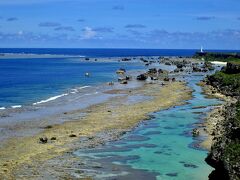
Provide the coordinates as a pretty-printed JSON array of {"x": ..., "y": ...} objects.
[{"x": 225, "y": 152}]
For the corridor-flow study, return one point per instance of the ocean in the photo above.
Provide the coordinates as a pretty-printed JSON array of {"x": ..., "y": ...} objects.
[
  {"x": 102, "y": 52},
  {"x": 108, "y": 52},
  {"x": 25, "y": 81},
  {"x": 28, "y": 81}
]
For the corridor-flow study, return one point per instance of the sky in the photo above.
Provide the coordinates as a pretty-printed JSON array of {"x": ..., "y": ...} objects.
[{"x": 160, "y": 24}]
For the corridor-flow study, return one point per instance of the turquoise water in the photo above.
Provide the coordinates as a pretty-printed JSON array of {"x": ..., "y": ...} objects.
[{"x": 164, "y": 145}]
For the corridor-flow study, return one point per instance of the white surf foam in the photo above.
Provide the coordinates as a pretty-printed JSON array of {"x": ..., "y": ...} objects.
[
  {"x": 83, "y": 87},
  {"x": 50, "y": 99},
  {"x": 76, "y": 90},
  {"x": 16, "y": 106},
  {"x": 73, "y": 91},
  {"x": 2, "y": 108}
]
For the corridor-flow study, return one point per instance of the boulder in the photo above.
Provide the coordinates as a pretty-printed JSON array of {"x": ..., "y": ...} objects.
[
  {"x": 43, "y": 140},
  {"x": 152, "y": 71},
  {"x": 160, "y": 71},
  {"x": 53, "y": 138},
  {"x": 142, "y": 77},
  {"x": 72, "y": 135},
  {"x": 195, "y": 132},
  {"x": 121, "y": 71},
  {"x": 123, "y": 82},
  {"x": 154, "y": 78},
  {"x": 166, "y": 79},
  {"x": 179, "y": 66},
  {"x": 196, "y": 69}
]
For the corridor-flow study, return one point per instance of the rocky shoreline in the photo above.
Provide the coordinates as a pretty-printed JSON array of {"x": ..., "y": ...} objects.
[{"x": 223, "y": 127}]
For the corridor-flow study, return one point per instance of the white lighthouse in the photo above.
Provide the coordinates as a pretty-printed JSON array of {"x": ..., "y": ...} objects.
[{"x": 201, "y": 49}]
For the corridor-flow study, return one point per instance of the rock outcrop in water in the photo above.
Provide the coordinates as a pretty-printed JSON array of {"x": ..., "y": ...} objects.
[
  {"x": 225, "y": 151},
  {"x": 142, "y": 77}
]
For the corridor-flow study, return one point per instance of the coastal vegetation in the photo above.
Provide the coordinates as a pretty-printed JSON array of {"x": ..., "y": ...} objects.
[
  {"x": 225, "y": 151},
  {"x": 213, "y": 56}
]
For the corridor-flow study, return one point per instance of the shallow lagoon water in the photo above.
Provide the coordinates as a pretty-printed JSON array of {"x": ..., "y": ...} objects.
[{"x": 163, "y": 145}]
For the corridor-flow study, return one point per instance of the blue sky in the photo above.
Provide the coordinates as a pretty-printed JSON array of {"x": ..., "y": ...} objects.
[{"x": 165, "y": 24}]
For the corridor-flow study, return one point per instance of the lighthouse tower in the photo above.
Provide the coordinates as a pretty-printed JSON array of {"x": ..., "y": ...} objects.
[{"x": 201, "y": 50}]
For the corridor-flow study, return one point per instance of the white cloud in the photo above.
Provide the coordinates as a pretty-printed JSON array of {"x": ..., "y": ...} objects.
[{"x": 88, "y": 33}]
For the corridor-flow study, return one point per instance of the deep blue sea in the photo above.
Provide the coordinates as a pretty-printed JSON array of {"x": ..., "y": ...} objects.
[
  {"x": 26, "y": 81},
  {"x": 108, "y": 52}
]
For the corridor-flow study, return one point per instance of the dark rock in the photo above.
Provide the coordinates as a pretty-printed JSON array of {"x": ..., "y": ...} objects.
[
  {"x": 53, "y": 138},
  {"x": 233, "y": 68},
  {"x": 195, "y": 132},
  {"x": 126, "y": 59},
  {"x": 160, "y": 71},
  {"x": 196, "y": 69},
  {"x": 121, "y": 71},
  {"x": 179, "y": 66},
  {"x": 176, "y": 70},
  {"x": 154, "y": 78},
  {"x": 72, "y": 135},
  {"x": 166, "y": 79},
  {"x": 43, "y": 140},
  {"x": 142, "y": 77},
  {"x": 124, "y": 82},
  {"x": 168, "y": 63},
  {"x": 48, "y": 127},
  {"x": 152, "y": 71},
  {"x": 143, "y": 60}
]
